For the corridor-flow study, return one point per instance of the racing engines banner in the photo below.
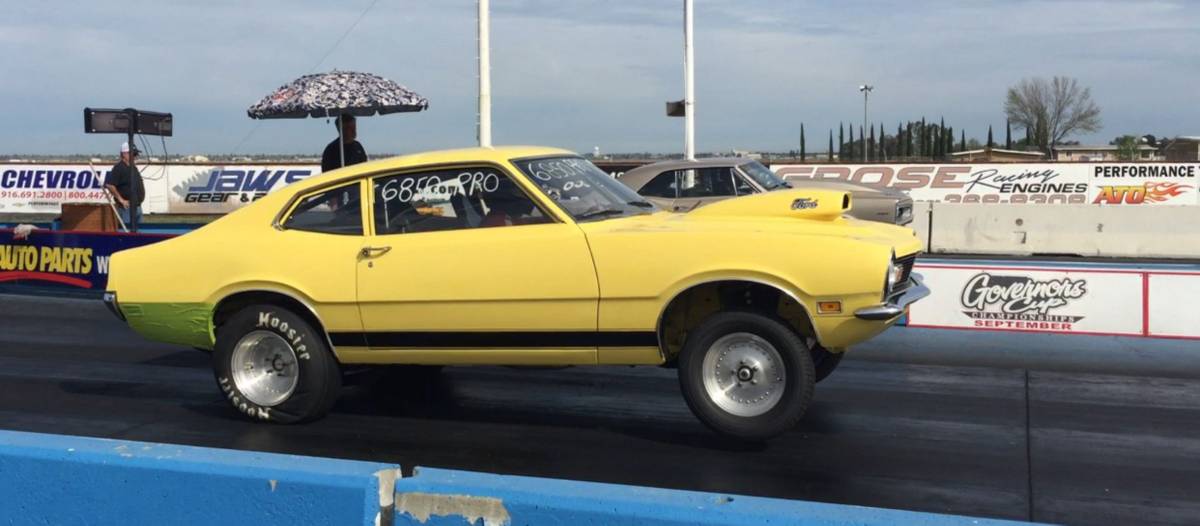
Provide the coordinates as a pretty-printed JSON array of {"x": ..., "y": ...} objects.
[{"x": 1036, "y": 184}]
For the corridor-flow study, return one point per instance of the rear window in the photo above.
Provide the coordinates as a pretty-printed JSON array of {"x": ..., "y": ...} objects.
[{"x": 334, "y": 211}]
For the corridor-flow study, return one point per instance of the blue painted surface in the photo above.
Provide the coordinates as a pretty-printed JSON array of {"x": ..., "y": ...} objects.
[
  {"x": 533, "y": 501},
  {"x": 53, "y": 479}
]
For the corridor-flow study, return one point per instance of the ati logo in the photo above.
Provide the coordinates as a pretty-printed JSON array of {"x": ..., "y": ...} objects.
[
  {"x": 1136, "y": 195},
  {"x": 1020, "y": 297},
  {"x": 246, "y": 185}
]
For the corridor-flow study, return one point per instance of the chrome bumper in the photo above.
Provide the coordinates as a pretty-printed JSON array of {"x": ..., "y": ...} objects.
[
  {"x": 110, "y": 301},
  {"x": 896, "y": 304}
]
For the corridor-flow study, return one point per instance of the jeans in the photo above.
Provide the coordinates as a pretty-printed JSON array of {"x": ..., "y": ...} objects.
[{"x": 137, "y": 212}]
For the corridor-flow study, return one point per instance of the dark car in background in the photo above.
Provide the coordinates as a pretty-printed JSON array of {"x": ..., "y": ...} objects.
[{"x": 685, "y": 185}]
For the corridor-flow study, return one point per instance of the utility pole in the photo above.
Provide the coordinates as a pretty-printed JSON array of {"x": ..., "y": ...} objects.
[
  {"x": 689, "y": 84},
  {"x": 485, "y": 77},
  {"x": 866, "y": 91}
]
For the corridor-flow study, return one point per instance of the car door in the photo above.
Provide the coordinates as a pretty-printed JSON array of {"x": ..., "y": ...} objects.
[{"x": 461, "y": 265}]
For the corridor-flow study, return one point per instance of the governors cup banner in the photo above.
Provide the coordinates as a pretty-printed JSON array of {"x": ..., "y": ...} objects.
[
  {"x": 1018, "y": 183},
  {"x": 1013, "y": 298}
]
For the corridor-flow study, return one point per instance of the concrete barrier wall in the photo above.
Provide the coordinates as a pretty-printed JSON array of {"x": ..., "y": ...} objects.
[
  {"x": 441, "y": 497},
  {"x": 1082, "y": 230},
  {"x": 53, "y": 479}
]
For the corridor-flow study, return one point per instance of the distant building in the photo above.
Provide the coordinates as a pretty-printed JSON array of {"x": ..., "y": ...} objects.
[
  {"x": 996, "y": 155},
  {"x": 1102, "y": 153},
  {"x": 1181, "y": 149}
]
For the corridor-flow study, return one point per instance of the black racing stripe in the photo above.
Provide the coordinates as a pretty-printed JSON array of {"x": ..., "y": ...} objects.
[{"x": 494, "y": 340}]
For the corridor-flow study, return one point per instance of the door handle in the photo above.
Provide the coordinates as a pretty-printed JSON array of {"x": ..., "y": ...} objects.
[{"x": 368, "y": 252}]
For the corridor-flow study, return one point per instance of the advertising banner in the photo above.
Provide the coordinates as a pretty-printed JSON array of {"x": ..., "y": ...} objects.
[
  {"x": 64, "y": 259},
  {"x": 1004, "y": 298},
  {"x": 1019, "y": 183},
  {"x": 170, "y": 189},
  {"x": 206, "y": 189},
  {"x": 42, "y": 189}
]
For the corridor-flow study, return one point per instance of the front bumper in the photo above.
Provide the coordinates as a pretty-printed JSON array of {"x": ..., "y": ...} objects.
[
  {"x": 897, "y": 304},
  {"x": 110, "y": 301}
]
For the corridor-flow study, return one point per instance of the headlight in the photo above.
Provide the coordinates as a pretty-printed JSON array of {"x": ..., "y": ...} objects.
[
  {"x": 894, "y": 273},
  {"x": 904, "y": 215}
]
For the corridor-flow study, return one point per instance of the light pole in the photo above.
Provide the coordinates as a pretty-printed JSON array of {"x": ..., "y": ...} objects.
[
  {"x": 689, "y": 86},
  {"x": 866, "y": 91},
  {"x": 484, "y": 124}
]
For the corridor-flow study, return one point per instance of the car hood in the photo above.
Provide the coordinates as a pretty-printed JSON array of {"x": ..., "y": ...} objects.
[
  {"x": 861, "y": 190},
  {"x": 772, "y": 214}
]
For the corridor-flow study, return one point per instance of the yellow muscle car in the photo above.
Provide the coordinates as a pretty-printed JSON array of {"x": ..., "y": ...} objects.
[{"x": 520, "y": 256}]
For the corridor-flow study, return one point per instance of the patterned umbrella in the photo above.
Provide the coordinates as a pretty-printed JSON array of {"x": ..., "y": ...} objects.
[{"x": 337, "y": 92}]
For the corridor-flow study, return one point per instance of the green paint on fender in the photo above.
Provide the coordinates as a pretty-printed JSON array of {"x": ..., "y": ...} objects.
[{"x": 179, "y": 323}]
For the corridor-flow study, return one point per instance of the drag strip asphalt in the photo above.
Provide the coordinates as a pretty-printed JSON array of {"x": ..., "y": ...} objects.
[{"x": 910, "y": 423}]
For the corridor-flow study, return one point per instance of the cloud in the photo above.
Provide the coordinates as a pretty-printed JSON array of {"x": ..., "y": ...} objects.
[{"x": 590, "y": 72}]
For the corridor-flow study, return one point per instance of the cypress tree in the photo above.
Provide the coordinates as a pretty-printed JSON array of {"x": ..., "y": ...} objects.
[
  {"x": 962, "y": 145},
  {"x": 830, "y": 153},
  {"x": 870, "y": 146},
  {"x": 882, "y": 143},
  {"x": 899, "y": 137},
  {"x": 841, "y": 139},
  {"x": 853, "y": 157},
  {"x": 1007, "y": 134},
  {"x": 949, "y": 146},
  {"x": 802, "y": 155},
  {"x": 991, "y": 143},
  {"x": 908, "y": 140},
  {"x": 924, "y": 138},
  {"x": 862, "y": 150}
]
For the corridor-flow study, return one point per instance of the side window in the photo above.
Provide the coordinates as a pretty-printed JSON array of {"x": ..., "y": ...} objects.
[
  {"x": 663, "y": 185},
  {"x": 706, "y": 182},
  {"x": 450, "y": 200},
  {"x": 336, "y": 211},
  {"x": 740, "y": 184}
]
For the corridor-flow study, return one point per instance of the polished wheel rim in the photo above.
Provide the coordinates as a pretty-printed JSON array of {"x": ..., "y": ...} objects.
[
  {"x": 744, "y": 374},
  {"x": 264, "y": 368}
]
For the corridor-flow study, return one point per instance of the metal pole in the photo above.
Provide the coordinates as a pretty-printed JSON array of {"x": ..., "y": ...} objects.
[
  {"x": 485, "y": 78},
  {"x": 133, "y": 187},
  {"x": 866, "y": 151},
  {"x": 689, "y": 85}
]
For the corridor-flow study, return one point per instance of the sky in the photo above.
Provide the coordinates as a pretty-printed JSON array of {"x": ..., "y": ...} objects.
[{"x": 581, "y": 74}]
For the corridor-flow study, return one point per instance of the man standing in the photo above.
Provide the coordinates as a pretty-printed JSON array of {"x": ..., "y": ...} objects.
[
  {"x": 354, "y": 152},
  {"x": 124, "y": 182}
]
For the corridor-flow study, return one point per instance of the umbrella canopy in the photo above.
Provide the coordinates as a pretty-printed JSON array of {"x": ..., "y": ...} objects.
[{"x": 337, "y": 92}]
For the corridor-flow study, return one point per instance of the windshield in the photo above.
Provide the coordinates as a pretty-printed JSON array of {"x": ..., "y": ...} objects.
[
  {"x": 584, "y": 191},
  {"x": 763, "y": 175}
]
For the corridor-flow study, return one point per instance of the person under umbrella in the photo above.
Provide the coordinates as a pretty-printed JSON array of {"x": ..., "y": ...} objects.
[{"x": 345, "y": 150}]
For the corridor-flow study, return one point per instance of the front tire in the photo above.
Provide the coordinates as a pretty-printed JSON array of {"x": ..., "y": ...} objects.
[
  {"x": 273, "y": 366},
  {"x": 746, "y": 375}
]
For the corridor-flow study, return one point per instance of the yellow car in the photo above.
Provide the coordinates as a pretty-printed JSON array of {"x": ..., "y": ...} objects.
[{"x": 520, "y": 256}]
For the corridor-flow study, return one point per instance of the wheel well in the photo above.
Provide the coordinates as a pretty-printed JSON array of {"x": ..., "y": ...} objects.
[
  {"x": 229, "y": 306},
  {"x": 692, "y": 306}
]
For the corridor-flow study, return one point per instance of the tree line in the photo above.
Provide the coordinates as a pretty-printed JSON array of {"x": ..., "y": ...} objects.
[{"x": 1047, "y": 110}]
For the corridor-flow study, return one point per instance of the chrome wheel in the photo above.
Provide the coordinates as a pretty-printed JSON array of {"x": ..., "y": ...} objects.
[
  {"x": 264, "y": 368},
  {"x": 744, "y": 374}
]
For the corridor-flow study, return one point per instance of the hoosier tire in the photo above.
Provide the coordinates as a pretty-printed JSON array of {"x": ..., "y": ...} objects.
[
  {"x": 746, "y": 375},
  {"x": 272, "y": 365}
]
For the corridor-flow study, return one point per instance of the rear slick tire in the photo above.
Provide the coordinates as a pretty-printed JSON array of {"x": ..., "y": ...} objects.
[
  {"x": 746, "y": 375},
  {"x": 273, "y": 366}
]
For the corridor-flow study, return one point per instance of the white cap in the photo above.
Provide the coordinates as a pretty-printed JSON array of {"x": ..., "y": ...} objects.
[{"x": 125, "y": 147}]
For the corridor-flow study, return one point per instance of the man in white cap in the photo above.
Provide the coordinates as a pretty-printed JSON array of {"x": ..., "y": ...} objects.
[{"x": 124, "y": 182}]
